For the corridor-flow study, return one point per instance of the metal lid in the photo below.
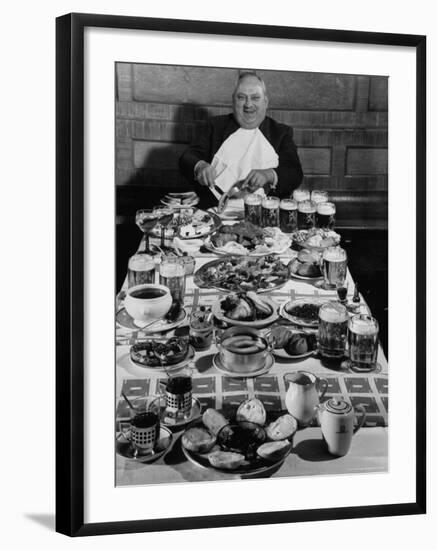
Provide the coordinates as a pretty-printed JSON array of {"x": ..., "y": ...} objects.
[{"x": 337, "y": 405}]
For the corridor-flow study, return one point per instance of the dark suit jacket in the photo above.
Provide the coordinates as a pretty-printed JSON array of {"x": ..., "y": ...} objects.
[{"x": 218, "y": 129}]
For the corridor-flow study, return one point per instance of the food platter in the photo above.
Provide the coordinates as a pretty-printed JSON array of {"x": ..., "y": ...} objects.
[
  {"x": 237, "y": 274},
  {"x": 315, "y": 239},
  {"x": 190, "y": 223},
  {"x": 256, "y": 323},
  {"x": 310, "y": 306}
]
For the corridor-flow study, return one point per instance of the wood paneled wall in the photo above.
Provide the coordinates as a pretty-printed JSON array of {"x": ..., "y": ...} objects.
[{"x": 339, "y": 121}]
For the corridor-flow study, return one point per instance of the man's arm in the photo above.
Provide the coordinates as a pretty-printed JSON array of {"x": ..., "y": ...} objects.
[{"x": 289, "y": 170}]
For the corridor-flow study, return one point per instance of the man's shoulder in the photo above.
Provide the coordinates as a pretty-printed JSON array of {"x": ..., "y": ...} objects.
[{"x": 277, "y": 127}]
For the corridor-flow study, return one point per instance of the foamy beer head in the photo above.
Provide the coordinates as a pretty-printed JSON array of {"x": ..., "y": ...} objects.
[
  {"x": 325, "y": 216},
  {"x": 318, "y": 196},
  {"x": 326, "y": 208},
  {"x": 270, "y": 202},
  {"x": 333, "y": 312},
  {"x": 141, "y": 262},
  {"x": 334, "y": 254},
  {"x": 306, "y": 207},
  {"x": 288, "y": 204},
  {"x": 363, "y": 325},
  {"x": 300, "y": 195},
  {"x": 270, "y": 212},
  {"x": 253, "y": 199},
  {"x": 288, "y": 215}
]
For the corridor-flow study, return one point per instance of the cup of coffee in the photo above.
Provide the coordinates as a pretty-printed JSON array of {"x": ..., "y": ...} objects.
[
  {"x": 144, "y": 431},
  {"x": 147, "y": 302},
  {"x": 178, "y": 395}
]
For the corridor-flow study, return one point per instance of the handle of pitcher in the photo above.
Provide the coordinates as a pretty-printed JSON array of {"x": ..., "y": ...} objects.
[
  {"x": 324, "y": 383},
  {"x": 362, "y": 409}
]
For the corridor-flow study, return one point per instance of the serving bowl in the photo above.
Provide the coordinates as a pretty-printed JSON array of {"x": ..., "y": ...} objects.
[
  {"x": 243, "y": 350},
  {"x": 147, "y": 302}
]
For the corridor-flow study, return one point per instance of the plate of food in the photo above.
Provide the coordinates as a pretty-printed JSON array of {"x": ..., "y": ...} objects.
[
  {"x": 246, "y": 239},
  {"x": 315, "y": 239},
  {"x": 246, "y": 309},
  {"x": 303, "y": 311},
  {"x": 289, "y": 343},
  {"x": 240, "y": 274},
  {"x": 180, "y": 200},
  {"x": 305, "y": 266},
  {"x": 250, "y": 443},
  {"x": 189, "y": 223},
  {"x": 162, "y": 354}
]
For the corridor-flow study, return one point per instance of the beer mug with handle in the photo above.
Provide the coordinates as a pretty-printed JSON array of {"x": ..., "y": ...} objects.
[{"x": 303, "y": 395}]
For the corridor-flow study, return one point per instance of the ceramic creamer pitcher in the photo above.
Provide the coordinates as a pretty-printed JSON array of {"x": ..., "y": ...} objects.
[
  {"x": 337, "y": 419},
  {"x": 304, "y": 392}
]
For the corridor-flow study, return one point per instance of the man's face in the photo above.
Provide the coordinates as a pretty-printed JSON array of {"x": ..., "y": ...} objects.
[{"x": 250, "y": 103}]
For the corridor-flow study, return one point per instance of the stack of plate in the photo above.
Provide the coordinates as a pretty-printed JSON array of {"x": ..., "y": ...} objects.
[{"x": 180, "y": 200}]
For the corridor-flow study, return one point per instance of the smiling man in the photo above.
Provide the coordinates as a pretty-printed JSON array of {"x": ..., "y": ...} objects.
[{"x": 246, "y": 148}]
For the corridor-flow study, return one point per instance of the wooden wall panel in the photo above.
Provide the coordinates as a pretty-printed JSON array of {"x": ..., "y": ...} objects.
[{"x": 339, "y": 121}]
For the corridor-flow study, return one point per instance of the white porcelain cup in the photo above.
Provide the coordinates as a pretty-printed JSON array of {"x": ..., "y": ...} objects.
[{"x": 147, "y": 302}]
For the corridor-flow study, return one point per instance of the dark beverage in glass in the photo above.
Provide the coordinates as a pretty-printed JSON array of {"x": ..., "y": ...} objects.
[
  {"x": 270, "y": 212},
  {"x": 325, "y": 215},
  {"x": 288, "y": 215},
  {"x": 178, "y": 395},
  {"x": 253, "y": 209},
  {"x": 306, "y": 215},
  {"x": 140, "y": 270}
]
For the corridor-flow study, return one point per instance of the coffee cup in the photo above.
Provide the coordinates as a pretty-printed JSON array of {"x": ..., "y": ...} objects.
[
  {"x": 148, "y": 302},
  {"x": 143, "y": 429}
]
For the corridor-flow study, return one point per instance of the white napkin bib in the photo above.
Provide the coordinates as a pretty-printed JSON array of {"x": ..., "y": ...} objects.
[{"x": 241, "y": 152}]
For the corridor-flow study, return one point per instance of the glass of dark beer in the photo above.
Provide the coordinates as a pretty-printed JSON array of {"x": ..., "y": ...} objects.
[
  {"x": 253, "y": 208},
  {"x": 363, "y": 343},
  {"x": 140, "y": 270},
  {"x": 270, "y": 212},
  {"x": 325, "y": 215},
  {"x": 319, "y": 196},
  {"x": 288, "y": 215},
  {"x": 306, "y": 215},
  {"x": 301, "y": 194}
]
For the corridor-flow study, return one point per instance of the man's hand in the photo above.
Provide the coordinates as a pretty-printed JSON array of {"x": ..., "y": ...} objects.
[
  {"x": 257, "y": 179},
  {"x": 204, "y": 173}
]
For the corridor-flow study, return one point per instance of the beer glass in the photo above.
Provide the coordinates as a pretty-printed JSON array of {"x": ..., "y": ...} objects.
[
  {"x": 306, "y": 215},
  {"x": 300, "y": 195},
  {"x": 172, "y": 275},
  {"x": 334, "y": 267},
  {"x": 288, "y": 215},
  {"x": 363, "y": 343},
  {"x": 319, "y": 196},
  {"x": 140, "y": 270},
  {"x": 270, "y": 212},
  {"x": 333, "y": 320},
  {"x": 252, "y": 208},
  {"x": 165, "y": 217},
  {"x": 146, "y": 219},
  {"x": 325, "y": 215}
]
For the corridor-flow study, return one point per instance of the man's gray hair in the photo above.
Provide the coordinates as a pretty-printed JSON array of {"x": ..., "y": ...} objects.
[{"x": 251, "y": 74}]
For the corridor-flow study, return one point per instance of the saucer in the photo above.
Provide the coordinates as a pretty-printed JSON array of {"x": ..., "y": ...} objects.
[
  {"x": 126, "y": 450},
  {"x": 125, "y": 321},
  {"x": 216, "y": 361},
  {"x": 195, "y": 413}
]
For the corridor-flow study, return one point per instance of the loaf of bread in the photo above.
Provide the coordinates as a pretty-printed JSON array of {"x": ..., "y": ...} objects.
[
  {"x": 283, "y": 427},
  {"x": 226, "y": 460},
  {"x": 198, "y": 440},
  {"x": 214, "y": 420},
  {"x": 274, "y": 451}
]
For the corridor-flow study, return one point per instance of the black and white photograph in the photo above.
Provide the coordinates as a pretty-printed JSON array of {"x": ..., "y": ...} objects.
[{"x": 251, "y": 314}]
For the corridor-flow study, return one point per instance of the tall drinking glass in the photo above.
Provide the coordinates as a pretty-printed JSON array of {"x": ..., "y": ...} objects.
[
  {"x": 146, "y": 219},
  {"x": 140, "y": 270},
  {"x": 363, "y": 343},
  {"x": 325, "y": 215},
  {"x": 270, "y": 211},
  {"x": 306, "y": 215},
  {"x": 288, "y": 215},
  {"x": 334, "y": 267},
  {"x": 165, "y": 217},
  {"x": 333, "y": 321},
  {"x": 301, "y": 194},
  {"x": 252, "y": 208},
  {"x": 319, "y": 196},
  {"x": 172, "y": 275}
]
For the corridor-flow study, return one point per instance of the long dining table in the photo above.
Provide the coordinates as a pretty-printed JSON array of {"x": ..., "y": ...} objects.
[{"x": 213, "y": 388}]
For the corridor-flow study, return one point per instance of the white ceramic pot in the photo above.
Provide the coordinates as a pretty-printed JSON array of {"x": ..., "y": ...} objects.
[{"x": 147, "y": 302}]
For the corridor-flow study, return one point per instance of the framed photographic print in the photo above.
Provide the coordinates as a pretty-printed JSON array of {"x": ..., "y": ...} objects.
[{"x": 240, "y": 262}]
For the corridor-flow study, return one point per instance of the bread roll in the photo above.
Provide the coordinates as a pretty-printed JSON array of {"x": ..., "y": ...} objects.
[
  {"x": 225, "y": 459},
  {"x": 276, "y": 450},
  {"x": 198, "y": 440},
  {"x": 252, "y": 410},
  {"x": 283, "y": 427},
  {"x": 214, "y": 420}
]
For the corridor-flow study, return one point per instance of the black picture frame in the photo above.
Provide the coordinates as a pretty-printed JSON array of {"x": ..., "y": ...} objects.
[{"x": 70, "y": 272}]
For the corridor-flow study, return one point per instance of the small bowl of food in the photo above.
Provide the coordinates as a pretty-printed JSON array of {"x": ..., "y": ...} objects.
[
  {"x": 160, "y": 352},
  {"x": 243, "y": 350},
  {"x": 315, "y": 240},
  {"x": 303, "y": 311}
]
